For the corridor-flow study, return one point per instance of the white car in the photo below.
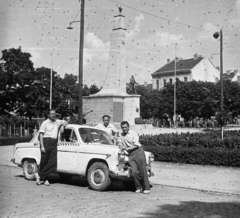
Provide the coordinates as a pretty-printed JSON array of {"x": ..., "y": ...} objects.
[{"x": 84, "y": 151}]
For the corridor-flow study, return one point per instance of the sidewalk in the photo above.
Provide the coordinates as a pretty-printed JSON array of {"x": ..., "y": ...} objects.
[{"x": 206, "y": 178}]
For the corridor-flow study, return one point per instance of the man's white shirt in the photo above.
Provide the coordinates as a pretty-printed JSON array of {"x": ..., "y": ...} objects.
[{"x": 110, "y": 129}]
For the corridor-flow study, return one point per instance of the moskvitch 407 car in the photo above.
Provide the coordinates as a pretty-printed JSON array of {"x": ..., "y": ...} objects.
[{"x": 82, "y": 150}]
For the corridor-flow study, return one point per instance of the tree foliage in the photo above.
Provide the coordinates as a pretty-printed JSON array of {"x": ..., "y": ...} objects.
[
  {"x": 193, "y": 99},
  {"x": 26, "y": 90}
]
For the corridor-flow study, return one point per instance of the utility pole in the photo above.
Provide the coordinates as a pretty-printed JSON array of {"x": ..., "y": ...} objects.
[
  {"x": 216, "y": 35},
  {"x": 80, "y": 101},
  {"x": 51, "y": 85},
  {"x": 221, "y": 75},
  {"x": 175, "y": 89}
]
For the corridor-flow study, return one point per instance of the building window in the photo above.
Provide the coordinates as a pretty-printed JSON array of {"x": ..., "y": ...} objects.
[
  {"x": 164, "y": 82},
  {"x": 185, "y": 79},
  {"x": 170, "y": 81},
  {"x": 157, "y": 84}
]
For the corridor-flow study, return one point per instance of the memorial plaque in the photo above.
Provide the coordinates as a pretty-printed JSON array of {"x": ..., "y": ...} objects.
[{"x": 117, "y": 111}]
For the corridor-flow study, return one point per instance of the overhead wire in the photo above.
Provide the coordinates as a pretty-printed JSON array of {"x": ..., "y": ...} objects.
[{"x": 160, "y": 17}]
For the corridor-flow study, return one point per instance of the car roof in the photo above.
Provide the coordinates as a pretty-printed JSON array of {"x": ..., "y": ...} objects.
[{"x": 76, "y": 126}]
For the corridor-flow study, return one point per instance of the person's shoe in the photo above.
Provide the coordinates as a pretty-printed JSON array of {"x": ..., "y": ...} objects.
[
  {"x": 38, "y": 179},
  {"x": 46, "y": 183},
  {"x": 146, "y": 192},
  {"x": 139, "y": 190}
]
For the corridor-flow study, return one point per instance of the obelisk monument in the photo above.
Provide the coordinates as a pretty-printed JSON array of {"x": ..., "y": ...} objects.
[{"x": 113, "y": 99}]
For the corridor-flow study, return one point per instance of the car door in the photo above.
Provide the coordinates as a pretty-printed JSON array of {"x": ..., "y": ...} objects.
[
  {"x": 68, "y": 149},
  {"x": 91, "y": 146}
]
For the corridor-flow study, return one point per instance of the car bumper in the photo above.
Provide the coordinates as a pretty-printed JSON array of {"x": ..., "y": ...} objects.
[{"x": 127, "y": 173}]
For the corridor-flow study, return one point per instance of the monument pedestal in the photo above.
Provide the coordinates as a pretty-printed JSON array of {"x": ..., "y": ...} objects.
[
  {"x": 112, "y": 98},
  {"x": 119, "y": 108}
]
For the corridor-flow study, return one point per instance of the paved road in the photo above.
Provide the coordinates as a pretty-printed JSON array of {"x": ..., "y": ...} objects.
[
  {"x": 22, "y": 198},
  {"x": 207, "y": 178}
]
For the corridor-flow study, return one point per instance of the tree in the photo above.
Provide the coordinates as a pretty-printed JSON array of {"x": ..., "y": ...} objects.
[
  {"x": 93, "y": 89},
  {"x": 16, "y": 71}
]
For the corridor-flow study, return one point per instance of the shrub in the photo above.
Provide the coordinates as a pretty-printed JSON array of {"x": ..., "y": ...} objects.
[
  {"x": 11, "y": 141},
  {"x": 202, "y": 156},
  {"x": 195, "y": 148},
  {"x": 207, "y": 140}
]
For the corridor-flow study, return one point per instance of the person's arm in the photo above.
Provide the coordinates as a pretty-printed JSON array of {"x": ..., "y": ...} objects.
[
  {"x": 41, "y": 133},
  {"x": 135, "y": 142},
  {"x": 42, "y": 148},
  {"x": 62, "y": 126}
]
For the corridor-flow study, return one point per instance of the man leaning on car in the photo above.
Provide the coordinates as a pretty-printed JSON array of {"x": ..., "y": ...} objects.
[
  {"x": 48, "y": 145},
  {"x": 129, "y": 142}
]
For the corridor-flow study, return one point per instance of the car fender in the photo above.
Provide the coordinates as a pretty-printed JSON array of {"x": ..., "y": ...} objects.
[{"x": 24, "y": 153}]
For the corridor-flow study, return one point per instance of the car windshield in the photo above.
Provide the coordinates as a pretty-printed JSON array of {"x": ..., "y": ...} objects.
[{"x": 95, "y": 136}]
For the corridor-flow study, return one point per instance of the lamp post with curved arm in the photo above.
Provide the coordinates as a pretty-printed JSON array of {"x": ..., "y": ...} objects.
[
  {"x": 216, "y": 35},
  {"x": 80, "y": 70}
]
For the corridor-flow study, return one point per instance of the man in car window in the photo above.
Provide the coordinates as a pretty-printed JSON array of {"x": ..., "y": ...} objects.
[
  {"x": 48, "y": 134},
  {"x": 107, "y": 127},
  {"x": 129, "y": 141}
]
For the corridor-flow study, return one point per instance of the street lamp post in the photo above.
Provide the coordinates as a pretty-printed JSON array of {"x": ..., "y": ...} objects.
[
  {"x": 175, "y": 89},
  {"x": 80, "y": 69},
  {"x": 216, "y": 35},
  {"x": 51, "y": 85},
  {"x": 80, "y": 104}
]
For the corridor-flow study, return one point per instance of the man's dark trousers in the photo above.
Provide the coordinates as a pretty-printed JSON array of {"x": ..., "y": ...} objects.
[
  {"x": 48, "y": 162},
  {"x": 137, "y": 161}
]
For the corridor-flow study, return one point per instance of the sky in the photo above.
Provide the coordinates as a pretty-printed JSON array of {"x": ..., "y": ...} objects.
[{"x": 153, "y": 28}]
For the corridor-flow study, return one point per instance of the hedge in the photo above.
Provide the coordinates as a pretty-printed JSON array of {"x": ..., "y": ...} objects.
[
  {"x": 201, "y": 156},
  {"x": 12, "y": 141},
  {"x": 195, "y": 148},
  {"x": 201, "y": 140}
]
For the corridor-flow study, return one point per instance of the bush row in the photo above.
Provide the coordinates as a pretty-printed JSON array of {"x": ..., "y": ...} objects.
[
  {"x": 202, "y": 156},
  {"x": 12, "y": 141},
  {"x": 210, "y": 139}
]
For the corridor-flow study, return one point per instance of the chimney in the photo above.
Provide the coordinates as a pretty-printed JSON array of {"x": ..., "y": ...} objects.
[
  {"x": 180, "y": 59},
  {"x": 176, "y": 59},
  {"x": 195, "y": 56},
  {"x": 168, "y": 61}
]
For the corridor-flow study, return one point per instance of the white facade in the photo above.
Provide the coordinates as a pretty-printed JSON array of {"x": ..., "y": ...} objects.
[{"x": 203, "y": 71}]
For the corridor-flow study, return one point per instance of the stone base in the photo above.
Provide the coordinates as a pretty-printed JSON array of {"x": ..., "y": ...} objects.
[{"x": 118, "y": 107}]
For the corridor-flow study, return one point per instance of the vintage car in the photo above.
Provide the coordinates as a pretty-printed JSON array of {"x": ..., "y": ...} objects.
[{"x": 84, "y": 151}]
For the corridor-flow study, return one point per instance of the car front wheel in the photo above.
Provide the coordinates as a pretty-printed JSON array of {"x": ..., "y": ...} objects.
[
  {"x": 29, "y": 169},
  {"x": 98, "y": 176}
]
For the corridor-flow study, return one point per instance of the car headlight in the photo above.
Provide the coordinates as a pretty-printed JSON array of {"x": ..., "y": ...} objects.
[
  {"x": 151, "y": 158},
  {"x": 121, "y": 155}
]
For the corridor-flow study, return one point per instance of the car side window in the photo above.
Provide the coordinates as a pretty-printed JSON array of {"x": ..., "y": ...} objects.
[
  {"x": 65, "y": 136},
  {"x": 84, "y": 133},
  {"x": 73, "y": 137}
]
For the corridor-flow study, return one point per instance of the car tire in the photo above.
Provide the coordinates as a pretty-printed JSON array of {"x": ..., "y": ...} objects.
[
  {"x": 29, "y": 169},
  {"x": 129, "y": 185},
  {"x": 65, "y": 176},
  {"x": 98, "y": 176}
]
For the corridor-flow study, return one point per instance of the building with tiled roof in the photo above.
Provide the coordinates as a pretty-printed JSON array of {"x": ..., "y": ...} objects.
[
  {"x": 197, "y": 68},
  {"x": 233, "y": 75}
]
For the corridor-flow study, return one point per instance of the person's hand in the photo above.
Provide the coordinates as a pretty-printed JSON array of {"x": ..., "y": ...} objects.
[
  {"x": 42, "y": 149},
  {"x": 127, "y": 149}
]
